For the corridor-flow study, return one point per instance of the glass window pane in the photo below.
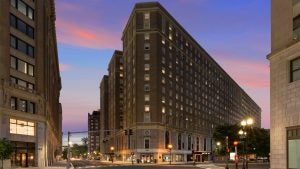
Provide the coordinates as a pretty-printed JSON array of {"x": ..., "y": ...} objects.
[
  {"x": 12, "y": 21},
  {"x": 22, "y": 107},
  {"x": 22, "y": 46},
  {"x": 13, "y": 3},
  {"x": 30, "y": 51},
  {"x": 13, "y": 128},
  {"x": 30, "y": 131},
  {"x": 13, "y": 103},
  {"x": 22, "y": 83},
  {"x": 13, "y": 121},
  {"x": 21, "y": 26},
  {"x": 30, "y": 13},
  {"x": 296, "y": 64},
  {"x": 13, "y": 80},
  {"x": 22, "y": 7},
  {"x": 13, "y": 62},
  {"x": 30, "y": 32},
  {"x": 30, "y": 108},
  {"x": 293, "y": 154},
  {"x": 22, "y": 66},
  {"x": 30, "y": 86},
  {"x": 13, "y": 42},
  {"x": 296, "y": 75},
  {"x": 30, "y": 70}
]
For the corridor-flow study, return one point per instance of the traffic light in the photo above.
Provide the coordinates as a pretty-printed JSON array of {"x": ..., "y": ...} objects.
[
  {"x": 130, "y": 132},
  {"x": 126, "y": 133}
]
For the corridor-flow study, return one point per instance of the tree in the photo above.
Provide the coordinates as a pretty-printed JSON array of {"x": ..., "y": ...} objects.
[
  {"x": 5, "y": 150},
  {"x": 84, "y": 140}
]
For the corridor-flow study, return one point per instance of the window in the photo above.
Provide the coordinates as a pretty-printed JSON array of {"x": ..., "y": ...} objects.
[
  {"x": 163, "y": 25},
  {"x": 189, "y": 142},
  {"x": 147, "y": 36},
  {"x": 147, "y": 117},
  {"x": 146, "y": 56},
  {"x": 13, "y": 103},
  {"x": 179, "y": 141},
  {"x": 167, "y": 139},
  {"x": 21, "y": 127},
  {"x": 21, "y": 26},
  {"x": 295, "y": 69},
  {"x": 163, "y": 110},
  {"x": 197, "y": 144},
  {"x": 23, "y": 8},
  {"x": 296, "y": 27},
  {"x": 147, "y": 108},
  {"x": 147, "y": 143},
  {"x": 23, "y": 84},
  {"x": 21, "y": 66},
  {"x": 163, "y": 40},
  {"x": 22, "y": 105},
  {"x": 21, "y": 46},
  {"x": 147, "y": 46},
  {"x": 146, "y": 77},
  {"x": 146, "y": 67},
  {"x": 31, "y": 107},
  {"x": 147, "y": 20},
  {"x": 147, "y": 98},
  {"x": 293, "y": 148},
  {"x": 147, "y": 87}
]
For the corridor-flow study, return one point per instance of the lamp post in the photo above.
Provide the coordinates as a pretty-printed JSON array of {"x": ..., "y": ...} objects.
[
  {"x": 246, "y": 124},
  {"x": 227, "y": 151},
  {"x": 170, "y": 146},
  {"x": 112, "y": 148},
  {"x": 242, "y": 136},
  {"x": 235, "y": 143}
]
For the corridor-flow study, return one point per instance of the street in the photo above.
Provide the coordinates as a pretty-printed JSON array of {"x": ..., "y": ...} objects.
[{"x": 107, "y": 165}]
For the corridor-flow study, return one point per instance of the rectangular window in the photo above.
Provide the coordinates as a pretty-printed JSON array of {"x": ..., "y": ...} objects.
[
  {"x": 147, "y": 20},
  {"x": 31, "y": 107},
  {"x": 293, "y": 136},
  {"x": 147, "y": 97},
  {"x": 147, "y": 117},
  {"x": 13, "y": 62},
  {"x": 21, "y": 46},
  {"x": 147, "y": 67},
  {"x": 22, "y": 66},
  {"x": 295, "y": 69},
  {"x": 22, "y": 105},
  {"x": 147, "y": 108},
  {"x": 147, "y": 77},
  {"x": 296, "y": 27},
  {"x": 147, "y": 36},
  {"x": 23, "y": 8},
  {"x": 30, "y": 70},
  {"x": 146, "y": 56},
  {"x": 13, "y": 103},
  {"x": 147, "y": 87},
  {"x": 147, "y": 143},
  {"x": 21, "y": 127},
  {"x": 163, "y": 25},
  {"x": 21, "y": 26}
]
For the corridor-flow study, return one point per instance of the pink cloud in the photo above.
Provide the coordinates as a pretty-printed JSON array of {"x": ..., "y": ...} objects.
[
  {"x": 64, "y": 67},
  {"x": 72, "y": 34}
]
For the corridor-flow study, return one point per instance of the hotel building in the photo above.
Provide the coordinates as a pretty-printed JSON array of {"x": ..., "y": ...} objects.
[
  {"x": 173, "y": 92},
  {"x": 285, "y": 84},
  {"x": 30, "y": 84}
]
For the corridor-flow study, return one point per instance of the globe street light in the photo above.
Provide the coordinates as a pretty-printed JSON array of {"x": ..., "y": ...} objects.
[
  {"x": 112, "y": 148},
  {"x": 246, "y": 124},
  {"x": 170, "y": 146}
]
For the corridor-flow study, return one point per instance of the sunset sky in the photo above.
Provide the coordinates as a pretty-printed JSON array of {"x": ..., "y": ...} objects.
[{"x": 236, "y": 33}]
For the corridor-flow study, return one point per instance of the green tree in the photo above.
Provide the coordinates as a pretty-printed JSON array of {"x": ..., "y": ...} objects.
[
  {"x": 84, "y": 140},
  {"x": 5, "y": 150}
]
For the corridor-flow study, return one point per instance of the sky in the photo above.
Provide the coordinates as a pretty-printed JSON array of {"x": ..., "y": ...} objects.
[{"x": 236, "y": 33}]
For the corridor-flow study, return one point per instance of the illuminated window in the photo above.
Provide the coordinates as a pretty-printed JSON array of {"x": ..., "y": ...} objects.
[
  {"x": 147, "y": 98},
  {"x": 147, "y": 77},
  {"x": 147, "y": 20},
  {"x": 163, "y": 40},
  {"x": 163, "y": 99},
  {"x": 147, "y": 36},
  {"x": 163, "y": 70},
  {"x": 146, "y": 67},
  {"x": 22, "y": 127},
  {"x": 163, "y": 110},
  {"x": 146, "y": 56},
  {"x": 147, "y": 108}
]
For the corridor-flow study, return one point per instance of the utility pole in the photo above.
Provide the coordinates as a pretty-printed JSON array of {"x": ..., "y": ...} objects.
[{"x": 227, "y": 151}]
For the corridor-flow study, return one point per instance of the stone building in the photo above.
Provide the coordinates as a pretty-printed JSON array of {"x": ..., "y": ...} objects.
[
  {"x": 30, "y": 84},
  {"x": 285, "y": 84},
  {"x": 173, "y": 92},
  {"x": 94, "y": 133}
]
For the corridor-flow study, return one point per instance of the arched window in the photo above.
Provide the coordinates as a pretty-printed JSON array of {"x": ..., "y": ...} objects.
[
  {"x": 189, "y": 142},
  {"x": 167, "y": 139},
  {"x": 179, "y": 141}
]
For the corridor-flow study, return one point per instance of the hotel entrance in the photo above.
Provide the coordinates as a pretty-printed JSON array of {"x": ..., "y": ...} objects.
[{"x": 23, "y": 154}]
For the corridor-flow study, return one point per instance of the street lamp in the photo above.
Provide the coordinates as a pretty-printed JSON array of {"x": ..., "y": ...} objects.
[
  {"x": 112, "y": 148},
  {"x": 245, "y": 124},
  {"x": 170, "y": 146}
]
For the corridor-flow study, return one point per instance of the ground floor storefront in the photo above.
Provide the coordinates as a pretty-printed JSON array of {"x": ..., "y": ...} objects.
[{"x": 23, "y": 154}]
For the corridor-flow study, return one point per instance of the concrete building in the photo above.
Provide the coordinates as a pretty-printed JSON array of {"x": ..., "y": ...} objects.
[
  {"x": 174, "y": 92},
  {"x": 104, "y": 113},
  {"x": 30, "y": 84},
  {"x": 94, "y": 133},
  {"x": 285, "y": 84}
]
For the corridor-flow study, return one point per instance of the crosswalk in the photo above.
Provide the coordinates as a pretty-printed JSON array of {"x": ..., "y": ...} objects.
[{"x": 209, "y": 166}]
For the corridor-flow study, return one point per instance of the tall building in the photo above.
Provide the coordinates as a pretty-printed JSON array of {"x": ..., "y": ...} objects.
[
  {"x": 94, "y": 134},
  {"x": 174, "y": 92},
  {"x": 30, "y": 112},
  {"x": 104, "y": 113},
  {"x": 285, "y": 84}
]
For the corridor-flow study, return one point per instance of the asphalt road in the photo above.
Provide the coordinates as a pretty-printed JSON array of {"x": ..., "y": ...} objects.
[{"x": 99, "y": 165}]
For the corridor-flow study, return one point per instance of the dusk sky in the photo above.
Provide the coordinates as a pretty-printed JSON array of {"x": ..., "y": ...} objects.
[{"x": 236, "y": 33}]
